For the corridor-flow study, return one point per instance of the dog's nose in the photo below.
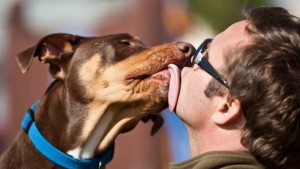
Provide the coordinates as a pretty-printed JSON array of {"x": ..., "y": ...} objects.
[{"x": 186, "y": 48}]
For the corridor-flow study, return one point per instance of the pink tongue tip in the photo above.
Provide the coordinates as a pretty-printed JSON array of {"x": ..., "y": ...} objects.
[{"x": 174, "y": 86}]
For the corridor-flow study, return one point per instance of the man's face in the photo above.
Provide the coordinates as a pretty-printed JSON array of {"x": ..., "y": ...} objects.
[{"x": 193, "y": 107}]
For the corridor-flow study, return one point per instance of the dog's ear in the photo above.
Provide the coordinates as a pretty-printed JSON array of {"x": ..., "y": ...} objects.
[
  {"x": 52, "y": 49},
  {"x": 157, "y": 122}
]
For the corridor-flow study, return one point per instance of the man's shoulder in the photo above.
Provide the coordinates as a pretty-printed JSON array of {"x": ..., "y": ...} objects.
[{"x": 221, "y": 160}]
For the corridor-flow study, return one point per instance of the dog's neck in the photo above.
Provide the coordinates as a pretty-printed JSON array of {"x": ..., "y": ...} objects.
[
  {"x": 60, "y": 120},
  {"x": 51, "y": 127},
  {"x": 72, "y": 116},
  {"x": 51, "y": 117}
]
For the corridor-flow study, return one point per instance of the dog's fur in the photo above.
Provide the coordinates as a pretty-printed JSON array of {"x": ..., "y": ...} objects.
[{"x": 103, "y": 86}]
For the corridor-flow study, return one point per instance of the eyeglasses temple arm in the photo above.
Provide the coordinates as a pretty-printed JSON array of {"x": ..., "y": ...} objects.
[{"x": 204, "y": 63}]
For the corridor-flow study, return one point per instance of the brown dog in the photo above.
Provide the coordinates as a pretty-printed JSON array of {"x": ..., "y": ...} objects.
[{"x": 103, "y": 86}]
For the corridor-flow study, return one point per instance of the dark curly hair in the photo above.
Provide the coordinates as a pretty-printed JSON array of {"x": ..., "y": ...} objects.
[{"x": 265, "y": 76}]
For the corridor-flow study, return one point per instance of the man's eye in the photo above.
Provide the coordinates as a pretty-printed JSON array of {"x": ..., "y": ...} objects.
[{"x": 204, "y": 51}]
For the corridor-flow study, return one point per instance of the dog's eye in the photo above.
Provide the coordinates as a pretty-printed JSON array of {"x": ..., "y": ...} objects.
[{"x": 127, "y": 42}]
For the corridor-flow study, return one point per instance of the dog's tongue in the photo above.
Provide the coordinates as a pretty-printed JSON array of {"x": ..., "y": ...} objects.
[{"x": 174, "y": 86}]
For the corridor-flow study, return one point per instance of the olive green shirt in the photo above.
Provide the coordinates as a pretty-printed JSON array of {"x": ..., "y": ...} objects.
[{"x": 219, "y": 160}]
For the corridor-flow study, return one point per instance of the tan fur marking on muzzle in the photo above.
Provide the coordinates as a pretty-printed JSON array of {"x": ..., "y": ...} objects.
[{"x": 68, "y": 47}]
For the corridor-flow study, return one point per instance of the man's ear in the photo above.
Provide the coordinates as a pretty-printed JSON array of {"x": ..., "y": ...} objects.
[
  {"x": 229, "y": 109},
  {"x": 52, "y": 49}
]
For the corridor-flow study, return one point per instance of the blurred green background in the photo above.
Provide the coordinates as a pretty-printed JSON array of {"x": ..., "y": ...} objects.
[{"x": 221, "y": 13}]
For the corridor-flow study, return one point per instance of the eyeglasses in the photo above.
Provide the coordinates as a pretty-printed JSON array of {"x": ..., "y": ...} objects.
[{"x": 205, "y": 65}]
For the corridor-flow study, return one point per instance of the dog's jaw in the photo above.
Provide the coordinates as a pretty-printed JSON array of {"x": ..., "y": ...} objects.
[{"x": 101, "y": 129}]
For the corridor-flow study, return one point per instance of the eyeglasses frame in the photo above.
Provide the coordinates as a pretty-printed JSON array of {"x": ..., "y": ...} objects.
[{"x": 202, "y": 61}]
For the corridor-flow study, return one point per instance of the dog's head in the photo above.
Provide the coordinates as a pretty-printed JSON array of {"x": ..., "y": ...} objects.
[{"x": 116, "y": 78}]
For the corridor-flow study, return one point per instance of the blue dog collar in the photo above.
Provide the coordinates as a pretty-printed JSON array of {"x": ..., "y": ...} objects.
[{"x": 53, "y": 154}]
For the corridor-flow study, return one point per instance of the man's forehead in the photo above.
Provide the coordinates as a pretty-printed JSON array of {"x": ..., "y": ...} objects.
[
  {"x": 235, "y": 32},
  {"x": 233, "y": 37}
]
